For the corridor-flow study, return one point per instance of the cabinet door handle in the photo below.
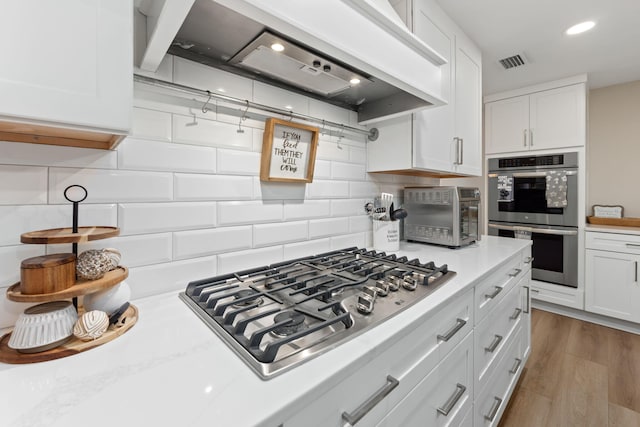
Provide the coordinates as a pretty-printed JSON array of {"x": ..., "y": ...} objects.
[
  {"x": 451, "y": 402},
  {"x": 524, "y": 137},
  {"x": 528, "y": 300},
  {"x": 451, "y": 332},
  {"x": 528, "y": 260},
  {"x": 516, "y": 366},
  {"x": 636, "y": 268},
  {"x": 494, "y": 409},
  {"x": 517, "y": 271},
  {"x": 516, "y": 314},
  {"x": 494, "y": 344},
  {"x": 530, "y": 137},
  {"x": 494, "y": 294},
  {"x": 368, "y": 405},
  {"x": 461, "y": 151}
]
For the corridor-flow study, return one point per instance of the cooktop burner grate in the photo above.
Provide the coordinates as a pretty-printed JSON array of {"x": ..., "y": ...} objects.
[{"x": 278, "y": 316}]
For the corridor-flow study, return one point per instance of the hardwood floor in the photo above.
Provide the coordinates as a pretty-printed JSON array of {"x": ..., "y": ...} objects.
[{"x": 578, "y": 374}]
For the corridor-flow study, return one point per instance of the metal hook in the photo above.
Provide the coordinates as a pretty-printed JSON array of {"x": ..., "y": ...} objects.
[
  {"x": 204, "y": 107},
  {"x": 243, "y": 118},
  {"x": 340, "y": 136},
  {"x": 290, "y": 115},
  {"x": 322, "y": 131}
]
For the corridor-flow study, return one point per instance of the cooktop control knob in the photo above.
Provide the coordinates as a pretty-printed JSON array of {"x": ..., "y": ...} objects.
[
  {"x": 366, "y": 299},
  {"x": 410, "y": 284},
  {"x": 382, "y": 287},
  {"x": 394, "y": 283}
]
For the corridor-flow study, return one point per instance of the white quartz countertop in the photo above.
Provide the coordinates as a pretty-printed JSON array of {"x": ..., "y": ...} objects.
[
  {"x": 170, "y": 369},
  {"x": 634, "y": 231}
]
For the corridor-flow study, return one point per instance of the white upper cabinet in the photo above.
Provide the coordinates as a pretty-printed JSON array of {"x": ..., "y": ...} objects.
[
  {"x": 439, "y": 141},
  {"x": 545, "y": 119},
  {"x": 66, "y": 64}
]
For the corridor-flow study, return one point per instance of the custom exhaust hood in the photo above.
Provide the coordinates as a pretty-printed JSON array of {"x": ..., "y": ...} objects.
[{"x": 356, "y": 54}]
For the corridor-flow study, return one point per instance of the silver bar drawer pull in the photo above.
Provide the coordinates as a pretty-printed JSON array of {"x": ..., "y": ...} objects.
[
  {"x": 451, "y": 402},
  {"x": 516, "y": 366},
  {"x": 451, "y": 332},
  {"x": 494, "y": 409},
  {"x": 517, "y": 271},
  {"x": 528, "y": 300},
  {"x": 528, "y": 260},
  {"x": 494, "y": 344},
  {"x": 355, "y": 416},
  {"x": 516, "y": 314},
  {"x": 494, "y": 294}
]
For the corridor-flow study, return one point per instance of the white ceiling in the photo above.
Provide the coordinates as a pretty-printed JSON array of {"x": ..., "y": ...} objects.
[{"x": 609, "y": 54}]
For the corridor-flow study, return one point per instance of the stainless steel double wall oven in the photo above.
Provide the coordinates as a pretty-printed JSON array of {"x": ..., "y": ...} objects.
[{"x": 536, "y": 197}]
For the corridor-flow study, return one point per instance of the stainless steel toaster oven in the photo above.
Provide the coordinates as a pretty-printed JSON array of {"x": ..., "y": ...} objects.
[{"x": 442, "y": 215}]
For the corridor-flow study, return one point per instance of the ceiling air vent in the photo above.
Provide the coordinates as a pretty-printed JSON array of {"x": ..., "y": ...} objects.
[{"x": 513, "y": 61}]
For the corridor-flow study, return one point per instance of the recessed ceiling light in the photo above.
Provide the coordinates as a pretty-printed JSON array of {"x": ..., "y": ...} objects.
[
  {"x": 580, "y": 28},
  {"x": 288, "y": 107},
  {"x": 354, "y": 81},
  {"x": 278, "y": 47},
  {"x": 221, "y": 89}
]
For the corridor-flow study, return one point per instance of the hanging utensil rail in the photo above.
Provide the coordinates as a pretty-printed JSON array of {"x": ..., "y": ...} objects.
[{"x": 372, "y": 134}]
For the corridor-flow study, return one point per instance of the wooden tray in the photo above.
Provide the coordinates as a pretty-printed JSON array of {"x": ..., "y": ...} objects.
[
  {"x": 65, "y": 235},
  {"x": 71, "y": 347},
  {"x": 624, "y": 222},
  {"x": 81, "y": 287}
]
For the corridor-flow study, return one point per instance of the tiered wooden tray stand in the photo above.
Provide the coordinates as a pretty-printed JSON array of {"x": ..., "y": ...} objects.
[{"x": 81, "y": 287}]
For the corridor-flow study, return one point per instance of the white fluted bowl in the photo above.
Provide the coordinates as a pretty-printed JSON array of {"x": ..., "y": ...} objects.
[{"x": 43, "y": 327}]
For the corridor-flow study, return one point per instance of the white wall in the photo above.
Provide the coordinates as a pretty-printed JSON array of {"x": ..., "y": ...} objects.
[{"x": 187, "y": 197}]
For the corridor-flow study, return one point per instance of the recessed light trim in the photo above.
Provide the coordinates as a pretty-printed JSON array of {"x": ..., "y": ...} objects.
[
  {"x": 278, "y": 47},
  {"x": 580, "y": 28},
  {"x": 354, "y": 81}
]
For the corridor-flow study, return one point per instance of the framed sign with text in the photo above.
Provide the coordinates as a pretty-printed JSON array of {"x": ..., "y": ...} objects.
[{"x": 288, "y": 151}]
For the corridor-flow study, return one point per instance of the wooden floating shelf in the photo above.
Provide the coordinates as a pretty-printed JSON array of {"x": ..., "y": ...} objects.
[
  {"x": 624, "y": 222},
  {"x": 71, "y": 347},
  {"x": 81, "y": 287},
  {"x": 66, "y": 235}
]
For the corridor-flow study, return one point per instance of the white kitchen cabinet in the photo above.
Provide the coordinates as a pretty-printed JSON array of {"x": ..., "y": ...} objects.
[
  {"x": 612, "y": 286},
  {"x": 66, "y": 65},
  {"x": 542, "y": 120},
  {"x": 444, "y": 140}
]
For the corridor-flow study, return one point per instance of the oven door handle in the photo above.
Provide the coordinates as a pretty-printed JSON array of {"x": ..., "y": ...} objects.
[
  {"x": 534, "y": 230},
  {"x": 537, "y": 174}
]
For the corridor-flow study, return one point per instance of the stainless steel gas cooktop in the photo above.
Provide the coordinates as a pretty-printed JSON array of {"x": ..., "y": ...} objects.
[{"x": 279, "y": 316}]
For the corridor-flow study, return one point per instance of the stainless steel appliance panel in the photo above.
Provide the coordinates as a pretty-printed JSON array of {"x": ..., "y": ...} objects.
[{"x": 554, "y": 250}]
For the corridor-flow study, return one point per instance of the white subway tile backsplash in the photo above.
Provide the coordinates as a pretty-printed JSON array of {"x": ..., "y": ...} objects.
[
  {"x": 360, "y": 223},
  {"x": 348, "y": 171},
  {"x": 210, "y": 133},
  {"x": 284, "y": 232},
  {"x": 234, "y": 162},
  {"x": 10, "y": 259},
  {"x": 151, "y": 124},
  {"x": 358, "y": 155},
  {"x": 305, "y": 209},
  {"x": 197, "y": 243},
  {"x": 251, "y": 212},
  {"x": 329, "y": 150},
  {"x": 212, "y": 187},
  {"x": 348, "y": 207},
  {"x": 364, "y": 190},
  {"x": 167, "y": 277},
  {"x": 9, "y": 310},
  {"x": 162, "y": 156},
  {"x": 23, "y": 185},
  {"x": 15, "y": 220},
  {"x": 140, "y": 218},
  {"x": 328, "y": 112},
  {"x": 349, "y": 240},
  {"x": 320, "y": 189},
  {"x": 235, "y": 261},
  {"x": 137, "y": 250},
  {"x": 328, "y": 227},
  {"x": 322, "y": 169},
  {"x": 311, "y": 247},
  {"x": 111, "y": 186},
  {"x": 279, "y": 98},
  {"x": 12, "y": 153},
  {"x": 207, "y": 78},
  {"x": 265, "y": 190}
]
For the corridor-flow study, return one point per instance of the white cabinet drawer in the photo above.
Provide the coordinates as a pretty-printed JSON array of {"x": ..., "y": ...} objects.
[
  {"x": 494, "y": 333},
  {"x": 491, "y": 400},
  {"x": 443, "y": 397},
  {"x": 407, "y": 361},
  {"x": 613, "y": 242},
  {"x": 491, "y": 290}
]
